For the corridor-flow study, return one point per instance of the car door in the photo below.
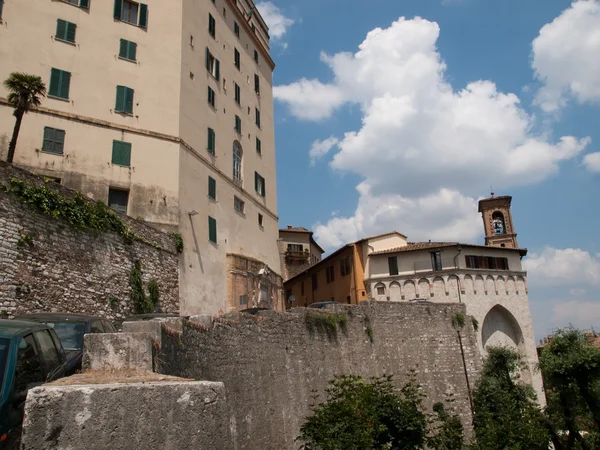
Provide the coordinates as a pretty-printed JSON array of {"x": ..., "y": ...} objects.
[
  {"x": 53, "y": 358},
  {"x": 108, "y": 327}
]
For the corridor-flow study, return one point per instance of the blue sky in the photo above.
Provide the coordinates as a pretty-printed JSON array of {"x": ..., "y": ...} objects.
[{"x": 411, "y": 123}]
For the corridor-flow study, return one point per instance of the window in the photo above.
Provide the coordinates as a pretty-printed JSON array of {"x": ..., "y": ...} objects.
[
  {"x": 236, "y": 58},
  {"x": 256, "y": 56},
  {"x": 238, "y": 204},
  {"x": 237, "y": 163},
  {"x": 48, "y": 350},
  {"x": 65, "y": 31},
  {"x": 210, "y": 145},
  {"x": 212, "y": 25},
  {"x": 380, "y": 290},
  {"x": 28, "y": 369},
  {"x": 212, "y": 188},
  {"x": 81, "y": 3},
  {"x": 128, "y": 50},
  {"x": 498, "y": 223},
  {"x": 212, "y": 230},
  {"x": 330, "y": 273},
  {"x": 256, "y": 84},
  {"x": 118, "y": 199},
  {"x": 124, "y": 102},
  {"x": 258, "y": 146},
  {"x": 238, "y": 124},
  {"x": 315, "y": 283},
  {"x": 436, "y": 261},
  {"x": 211, "y": 97},
  {"x": 260, "y": 220},
  {"x": 121, "y": 153},
  {"x": 54, "y": 141},
  {"x": 393, "y": 265},
  {"x": 237, "y": 93},
  {"x": 257, "y": 114},
  {"x": 243, "y": 299},
  {"x": 259, "y": 184},
  {"x": 345, "y": 266},
  {"x": 486, "y": 262},
  {"x": 131, "y": 12},
  {"x": 295, "y": 248},
  {"x": 60, "y": 82},
  {"x": 212, "y": 64},
  {"x": 1, "y": 6},
  {"x": 236, "y": 29}
]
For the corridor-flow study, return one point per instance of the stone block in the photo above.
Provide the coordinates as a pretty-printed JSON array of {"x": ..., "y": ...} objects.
[
  {"x": 149, "y": 416},
  {"x": 175, "y": 323},
  {"x": 203, "y": 319},
  {"x": 150, "y": 327},
  {"x": 113, "y": 351}
]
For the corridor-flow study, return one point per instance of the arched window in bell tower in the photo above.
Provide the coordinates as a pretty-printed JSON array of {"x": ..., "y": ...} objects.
[{"x": 498, "y": 224}]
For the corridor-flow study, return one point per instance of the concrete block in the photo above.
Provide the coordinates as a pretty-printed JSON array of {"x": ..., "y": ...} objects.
[
  {"x": 203, "y": 319},
  {"x": 112, "y": 351},
  {"x": 149, "y": 416},
  {"x": 150, "y": 327},
  {"x": 175, "y": 323}
]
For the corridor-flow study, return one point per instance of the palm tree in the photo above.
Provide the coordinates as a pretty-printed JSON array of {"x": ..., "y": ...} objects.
[{"x": 25, "y": 91}]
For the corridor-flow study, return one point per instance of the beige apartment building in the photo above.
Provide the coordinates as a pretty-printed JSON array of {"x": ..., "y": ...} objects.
[
  {"x": 298, "y": 250},
  {"x": 163, "y": 110}
]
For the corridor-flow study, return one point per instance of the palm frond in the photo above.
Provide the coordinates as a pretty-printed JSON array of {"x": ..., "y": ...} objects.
[{"x": 25, "y": 90}]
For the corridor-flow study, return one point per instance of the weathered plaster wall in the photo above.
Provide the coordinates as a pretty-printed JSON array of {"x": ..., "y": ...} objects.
[
  {"x": 270, "y": 364},
  {"x": 67, "y": 270}
]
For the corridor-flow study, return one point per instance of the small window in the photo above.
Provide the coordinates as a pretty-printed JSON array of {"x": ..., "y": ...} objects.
[
  {"x": 236, "y": 58},
  {"x": 54, "y": 141},
  {"x": 260, "y": 220},
  {"x": 256, "y": 56},
  {"x": 131, "y": 12},
  {"x": 330, "y": 274},
  {"x": 65, "y": 31},
  {"x": 345, "y": 266},
  {"x": 212, "y": 64},
  {"x": 28, "y": 369},
  {"x": 257, "y": 114},
  {"x": 436, "y": 261},
  {"x": 236, "y": 29},
  {"x": 124, "y": 102},
  {"x": 48, "y": 350},
  {"x": 212, "y": 230},
  {"x": 81, "y": 3},
  {"x": 237, "y": 93},
  {"x": 393, "y": 265},
  {"x": 238, "y": 205},
  {"x": 212, "y": 25},
  {"x": 210, "y": 145},
  {"x": 256, "y": 84},
  {"x": 60, "y": 83},
  {"x": 128, "y": 50},
  {"x": 211, "y": 97},
  {"x": 212, "y": 188},
  {"x": 258, "y": 146},
  {"x": 121, "y": 153},
  {"x": 1, "y": 6},
  {"x": 380, "y": 290},
  {"x": 243, "y": 299},
  {"x": 238, "y": 124},
  {"x": 259, "y": 184},
  {"x": 295, "y": 247},
  {"x": 118, "y": 199}
]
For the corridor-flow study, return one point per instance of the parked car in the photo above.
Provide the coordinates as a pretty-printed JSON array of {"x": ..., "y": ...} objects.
[
  {"x": 30, "y": 355},
  {"x": 70, "y": 328},
  {"x": 322, "y": 305}
]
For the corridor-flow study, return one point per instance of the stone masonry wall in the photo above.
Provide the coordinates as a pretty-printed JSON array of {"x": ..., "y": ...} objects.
[
  {"x": 271, "y": 363},
  {"x": 76, "y": 271}
]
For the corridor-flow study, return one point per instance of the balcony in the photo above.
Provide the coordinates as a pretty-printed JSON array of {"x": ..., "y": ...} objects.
[
  {"x": 297, "y": 255},
  {"x": 238, "y": 181},
  {"x": 427, "y": 266}
]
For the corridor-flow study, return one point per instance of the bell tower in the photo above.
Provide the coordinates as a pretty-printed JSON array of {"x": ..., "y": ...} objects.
[{"x": 497, "y": 222}]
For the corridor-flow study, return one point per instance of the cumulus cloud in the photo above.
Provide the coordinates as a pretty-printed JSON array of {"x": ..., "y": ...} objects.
[
  {"x": 321, "y": 148},
  {"x": 278, "y": 23},
  {"x": 581, "y": 314},
  {"x": 565, "y": 57},
  {"x": 421, "y": 141},
  {"x": 592, "y": 162},
  {"x": 567, "y": 267}
]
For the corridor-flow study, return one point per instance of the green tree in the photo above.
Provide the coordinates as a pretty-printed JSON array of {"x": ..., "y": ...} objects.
[
  {"x": 571, "y": 370},
  {"x": 447, "y": 431},
  {"x": 25, "y": 91},
  {"x": 366, "y": 414},
  {"x": 506, "y": 415}
]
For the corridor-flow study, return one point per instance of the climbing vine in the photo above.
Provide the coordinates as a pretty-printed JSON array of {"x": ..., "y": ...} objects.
[
  {"x": 142, "y": 303},
  {"x": 178, "y": 242}
]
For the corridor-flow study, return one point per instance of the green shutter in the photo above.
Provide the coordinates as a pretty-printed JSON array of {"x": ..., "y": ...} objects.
[
  {"x": 84, "y": 4},
  {"x": 59, "y": 141},
  {"x": 48, "y": 145},
  {"x": 212, "y": 230},
  {"x": 236, "y": 58},
  {"x": 123, "y": 47},
  {"x": 71, "y": 30},
  {"x": 54, "y": 79},
  {"x": 258, "y": 146},
  {"x": 217, "y": 68},
  {"x": 132, "y": 51},
  {"x": 61, "y": 29},
  {"x": 65, "y": 84},
  {"x": 207, "y": 59},
  {"x": 211, "y": 141},
  {"x": 120, "y": 103},
  {"x": 1, "y": 5},
  {"x": 143, "y": 22},
  {"x": 121, "y": 153},
  {"x": 118, "y": 9},
  {"x": 129, "y": 100},
  {"x": 212, "y": 188},
  {"x": 256, "y": 181}
]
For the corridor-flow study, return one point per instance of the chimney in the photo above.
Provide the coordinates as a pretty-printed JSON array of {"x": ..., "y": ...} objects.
[{"x": 289, "y": 227}]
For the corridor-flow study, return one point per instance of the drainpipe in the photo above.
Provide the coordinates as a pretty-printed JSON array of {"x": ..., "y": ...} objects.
[{"x": 459, "y": 249}]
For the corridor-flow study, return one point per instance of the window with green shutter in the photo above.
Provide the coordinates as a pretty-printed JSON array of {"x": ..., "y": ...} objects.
[
  {"x": 124, "y": 103},
  {"x": 212, "y": 25},
  {"x": 236, "y": 29},
  {"x": 256, "y": 84},
  {"x": 210, "y": 146},
  {"x": 256, "y": 56},
  {"x": 65, "y": 31},
  {"x": 131, "y": 12},
  {"x": 236, "y": 58},
  {"x": 54, "y": 141},
  {"x": 212, "y": 64},
  {"x": 257, "y": 113},
  {"x": 212, "y": 230},
  {"x": 121, "y": 153},
  {"x": 238, "y": 124},
  {"x": 258, "y": 146},
  {"x": 1, "y": 6},
  {"x": 211, "y": 97},
  {"x": 128, "y": 50},
  {"x": 118, "y": 199},
  {"x": 259, "y": 184},
  {"x": 212, "y": 188},
  {"x": 60, "y": 82},
  {"x": 81, "y": 3},
  {"x": 237, "y": 93}
]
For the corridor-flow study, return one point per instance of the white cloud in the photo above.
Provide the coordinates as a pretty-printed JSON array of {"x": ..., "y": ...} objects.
[
  {"x": 321, "y": 148},
  {"x": 421, "y": 141},
  {"x": 566, "y": 267},
  {"x": 577, "y": 292},
  {"x": 592, "y": 162},
  {"x": 582, "y": 314},
  {"x": 565, "y": 56},
  {"x": 278, "y": 23}
]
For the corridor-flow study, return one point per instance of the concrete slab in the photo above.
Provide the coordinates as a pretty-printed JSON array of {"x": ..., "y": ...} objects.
[
  {"x": 150, "y": 327},
  {"x": 149, "y": 416},
  {"x": 113, "y": 351}
]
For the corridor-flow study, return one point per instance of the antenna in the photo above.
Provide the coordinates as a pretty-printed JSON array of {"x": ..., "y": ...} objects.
[{"x": 492, "y": 191}]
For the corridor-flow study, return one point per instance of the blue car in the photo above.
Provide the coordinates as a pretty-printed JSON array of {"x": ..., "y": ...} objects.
[{"x": 30, "y": 354}]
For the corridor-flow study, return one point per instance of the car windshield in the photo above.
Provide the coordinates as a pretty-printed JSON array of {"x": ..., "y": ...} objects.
[
  {"x": 4, "y": 348},
  {"x": 69, "y": 333}
]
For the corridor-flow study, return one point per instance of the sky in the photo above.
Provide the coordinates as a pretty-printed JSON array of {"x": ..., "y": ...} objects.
[{"x": 402, "y": 114}]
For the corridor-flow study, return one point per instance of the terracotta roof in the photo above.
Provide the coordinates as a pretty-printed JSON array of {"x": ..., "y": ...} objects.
[
  {"x": 380, "y": 235},
  {"x": 300, "y": 229},
  {"x": 414, "y": 246}
]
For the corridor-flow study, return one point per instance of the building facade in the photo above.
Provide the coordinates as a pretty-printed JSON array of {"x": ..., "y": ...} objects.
[
  {"x": 297, "y": 251},
  {"x": 164, "y": 111}
]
